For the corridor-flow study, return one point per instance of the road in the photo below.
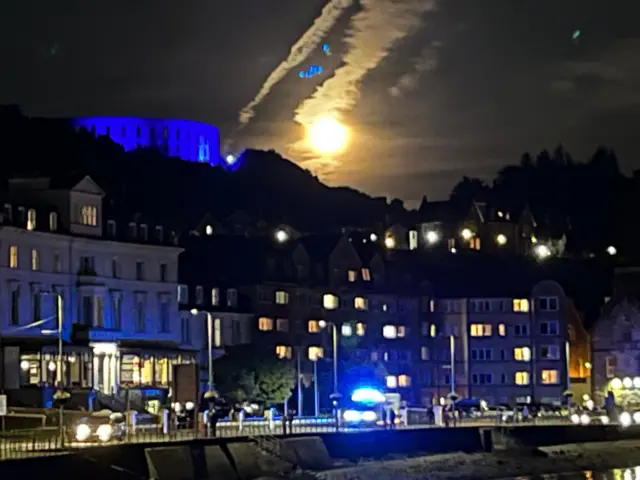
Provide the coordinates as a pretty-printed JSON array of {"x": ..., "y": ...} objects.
[{"x": 46, "y": 442}]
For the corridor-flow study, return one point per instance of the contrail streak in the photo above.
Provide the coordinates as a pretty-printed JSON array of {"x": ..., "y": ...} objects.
[
  {"x": 299, "y": 52},
  {"x": 427, "y": 61},
  {"x": 373, "y": 33}
]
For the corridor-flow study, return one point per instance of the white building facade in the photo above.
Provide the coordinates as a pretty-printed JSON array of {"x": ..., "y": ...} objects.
[{"x": 60, "y": 260}]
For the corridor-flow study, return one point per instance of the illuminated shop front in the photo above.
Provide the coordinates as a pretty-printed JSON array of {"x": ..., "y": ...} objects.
[
  {"x": 116, "y": 366},
  {"x": 41, "y": 368},
  {"x": 105, "y": 366}
]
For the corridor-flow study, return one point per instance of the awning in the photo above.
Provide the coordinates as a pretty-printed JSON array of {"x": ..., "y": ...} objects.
[{"x": 150, "y": 347}]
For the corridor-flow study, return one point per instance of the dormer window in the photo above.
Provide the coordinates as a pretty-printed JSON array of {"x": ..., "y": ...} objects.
[
  {"x": 53, "y": 221},
  {"x": 173, "y": 237},
  {"x": 111, "y": 228},
  {"x": 21, "y": 215},
  {"x": 144, "y": 232},
  {"x": 133, "y": 230},
  {"x": 89, "y": 215},
  {"x": 159, "y": 233},
  {"x": 366, "y": 274},
  {"x": 31, "y": 219},
  {"x": 8, "y": 211},
  {"x": 208, "y": 230}
]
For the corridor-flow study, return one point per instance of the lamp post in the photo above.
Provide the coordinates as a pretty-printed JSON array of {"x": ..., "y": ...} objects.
[
  {"x": 210, "y": 391},
  {"x": 334, "y": 338}
]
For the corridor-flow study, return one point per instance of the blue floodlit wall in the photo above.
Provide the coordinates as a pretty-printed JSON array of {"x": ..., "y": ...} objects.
[{"x": 189, "y": 140}]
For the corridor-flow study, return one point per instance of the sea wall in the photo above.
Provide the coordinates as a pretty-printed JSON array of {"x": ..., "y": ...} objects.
[{"x": 248, "y": 459}]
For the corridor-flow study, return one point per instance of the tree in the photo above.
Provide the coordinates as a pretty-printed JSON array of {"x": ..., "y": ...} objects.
[
  {"x": 468, "y": 190},
  {"x": 249, "y": 373}
]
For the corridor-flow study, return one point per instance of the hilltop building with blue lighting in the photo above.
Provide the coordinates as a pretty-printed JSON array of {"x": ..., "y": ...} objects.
[{"x": 189, "y": 140}]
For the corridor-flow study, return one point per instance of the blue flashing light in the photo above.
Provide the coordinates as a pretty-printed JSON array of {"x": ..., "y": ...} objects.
[
  {"x": 367, "y": 395},
  {"x": 302, "y": 75}
]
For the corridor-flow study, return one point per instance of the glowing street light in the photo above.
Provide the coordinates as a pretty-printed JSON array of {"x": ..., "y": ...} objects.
[
  {"x": 611, "y": 250},
  {"x": 390, "y": 242},
  {"x": 230, "y": 159},
  {"x": 466, "y": 234},
  {"x": 501, "y": 239},
  {"x": 432, "y": 237},
  {"x": 542, "y": 252},
  {"x": 282, "y": 236}
]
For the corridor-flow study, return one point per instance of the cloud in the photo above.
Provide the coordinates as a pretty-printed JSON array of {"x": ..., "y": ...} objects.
[
  {"x": 610, "y": 77},
  {"x": 425, "y": 62},
  {"x": 299, "y": 52},
  {"x": 373, "y": 33}
]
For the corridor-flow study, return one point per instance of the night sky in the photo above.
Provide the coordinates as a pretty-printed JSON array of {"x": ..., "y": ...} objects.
[{"x": 432, "y": 89}]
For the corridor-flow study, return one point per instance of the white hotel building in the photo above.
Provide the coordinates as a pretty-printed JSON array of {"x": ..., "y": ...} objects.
[{"x": 115, "y": 284}]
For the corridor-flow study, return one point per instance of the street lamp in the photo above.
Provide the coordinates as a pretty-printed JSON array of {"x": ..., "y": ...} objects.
[
  {"x": 210, "y": 392},
  {"x": 334, "y": 336}
]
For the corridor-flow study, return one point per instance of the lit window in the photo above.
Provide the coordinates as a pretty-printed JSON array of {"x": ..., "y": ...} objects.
[
  {"x": 352, "y": 275},
  {"x": 392, "y": 381},
  {"x": 366, "y": 275},
  {"x": 522, "y": 378},
  {"x": 35, "y": 260},
  {"x": 53, "y": 221},
  {"x": 361, "y": 328},
  {"x": 502, "y": 330},
  {"x": 347, "y": 330},
  {"x": 401, "y": 331},
  {"x": 329, "y": 301},
  {"x": 183, "y": 293},
  {"x": 265, "y": 324},
  {"x": 404, "y": 380},
  {"x": 282, "y": 325},
  {"x": 433, "y": 331},
  {"x": 522, "y": 354},
  {"x": 480, "y": 330},
  {"x": 315, "y": 353},
  {"x": 31, "y": 219},
  {"x": 520, "y": 305},
  {"x": 13, "y": 256},
  {"x": 215, "y": 296},
  {"x": 360, "y": 303},
  {"x": 389, "y": 331},
  {"x": 89, "y": 215},
  {"x": 424, "y": 353},
  {"x": 550, "y": 377},
  {"x": 282, "y": 297},
  {"x": 283, "y": 351},
  {"x": 313, "y": 326}
]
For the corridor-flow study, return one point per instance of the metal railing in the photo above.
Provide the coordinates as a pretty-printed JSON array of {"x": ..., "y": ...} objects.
[{"x": 54, "y": 441}]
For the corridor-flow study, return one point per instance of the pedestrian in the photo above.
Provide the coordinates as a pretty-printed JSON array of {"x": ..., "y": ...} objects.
[
  {"x": 392, "y": 418},
  {"x": 240, "y": 419},
  {"x": 290, "y": 419},
  {"x": 213, "y": 421},
  {"x": 383, "y": 417}
]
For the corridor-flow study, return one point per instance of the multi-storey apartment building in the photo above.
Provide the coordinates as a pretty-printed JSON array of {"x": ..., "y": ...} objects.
[
  {"x": 64, "y": 258},
  {"x": 505, "y": 349}
]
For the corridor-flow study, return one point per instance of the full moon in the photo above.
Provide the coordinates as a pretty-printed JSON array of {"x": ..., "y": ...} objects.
[{"x": 327, "y": 136}]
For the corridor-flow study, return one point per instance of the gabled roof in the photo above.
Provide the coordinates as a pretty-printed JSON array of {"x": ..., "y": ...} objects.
[{"x": 320, "y": 247}]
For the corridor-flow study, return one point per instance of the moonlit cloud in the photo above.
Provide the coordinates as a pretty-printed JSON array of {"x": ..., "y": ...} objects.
[
  {"x": 299, "y": 52},
  {"x": 425, "y": 62},
  {"x": 373, "y": 32}
]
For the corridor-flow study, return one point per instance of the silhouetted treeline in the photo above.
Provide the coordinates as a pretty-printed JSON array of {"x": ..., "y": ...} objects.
[{"x": 591, "y": 202}]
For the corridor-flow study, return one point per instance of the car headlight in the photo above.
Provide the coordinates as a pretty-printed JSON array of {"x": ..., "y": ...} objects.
[
  {"x": 83, "y": 432},
  {"x": 625, "y": 419},
  {"x": 604, "y": 419},
  {"x": 584, "y": 419},
  {"x": 351, "y": 416},
  {"x": 369, "y": 416},
  {"x": 636, "y": 417},
  {"x": 104, "y": 432},
  {"x": 575, "y": 419}
]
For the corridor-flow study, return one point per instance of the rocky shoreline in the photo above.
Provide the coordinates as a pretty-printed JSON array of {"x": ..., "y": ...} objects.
[{"x": 503, "y": 464}]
